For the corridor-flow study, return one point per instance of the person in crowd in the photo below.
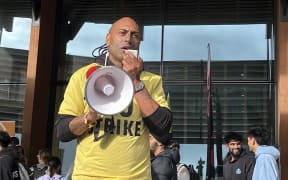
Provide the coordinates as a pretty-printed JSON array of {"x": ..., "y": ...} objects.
[
  {"x": 40, "y": 168},
  {"x": 54, "y": 170},
  {"x": 14, "y": 141},
  {"x": 24, "y": 171},
  {"x": 238, "y": 163},
  {"x": 120, "y": 140},
  {"x": 266, "y": 167},
  {"x": 164, "y": 157},
  {"x": 8, "y": 162}
]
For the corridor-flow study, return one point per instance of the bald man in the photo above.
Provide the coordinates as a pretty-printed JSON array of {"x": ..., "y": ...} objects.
[{"x": 117, "y": 146}]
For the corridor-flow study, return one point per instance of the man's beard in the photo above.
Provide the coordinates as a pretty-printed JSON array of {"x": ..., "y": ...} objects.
[{"x": 236, "y": 153}]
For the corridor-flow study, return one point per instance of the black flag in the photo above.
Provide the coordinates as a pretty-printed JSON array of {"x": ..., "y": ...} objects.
[{"x": 210, "y": 171}]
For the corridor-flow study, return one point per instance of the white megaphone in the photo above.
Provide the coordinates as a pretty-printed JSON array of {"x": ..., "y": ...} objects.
[{"x": 109, "y": 90}]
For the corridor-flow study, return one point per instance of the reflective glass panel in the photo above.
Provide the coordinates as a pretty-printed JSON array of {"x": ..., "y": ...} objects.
[{"x": 14, "y": 43}]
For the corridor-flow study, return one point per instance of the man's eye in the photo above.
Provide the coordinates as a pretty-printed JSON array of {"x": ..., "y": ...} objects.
[
  {"x": 136, "y": 35},
  {"x": 122, "y": 33}
]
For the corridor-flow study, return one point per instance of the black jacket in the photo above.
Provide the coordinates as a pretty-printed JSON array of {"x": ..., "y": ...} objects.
[
  {"x": 163, "y": 166},
  {"x": 8, "y": 165},
  {"x": 241, "y": 169}
]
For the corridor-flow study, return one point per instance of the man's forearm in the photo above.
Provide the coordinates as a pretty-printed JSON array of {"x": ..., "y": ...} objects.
[
  {"x": 69, "y": 127},
  {"x": 77, "y": 126},
  {"x": 158, "y": 119},
  {"x": 146, "y": 104}
]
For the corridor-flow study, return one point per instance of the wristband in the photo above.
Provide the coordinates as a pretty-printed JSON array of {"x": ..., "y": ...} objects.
[{"x": 139, "y": 87}]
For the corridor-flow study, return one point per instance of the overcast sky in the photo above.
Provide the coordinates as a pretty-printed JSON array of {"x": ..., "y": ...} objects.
[{"x": 237, "y": 42}]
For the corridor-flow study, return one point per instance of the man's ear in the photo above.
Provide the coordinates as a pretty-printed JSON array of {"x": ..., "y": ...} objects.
[
  {"x": 253, "y": 140},
  {"x": 108, "y": 37}
]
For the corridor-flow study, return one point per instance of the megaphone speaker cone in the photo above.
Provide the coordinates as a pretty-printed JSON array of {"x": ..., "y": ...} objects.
[
  {"x": 105, "y": 85},
  {"x": 109, "y": 90}
]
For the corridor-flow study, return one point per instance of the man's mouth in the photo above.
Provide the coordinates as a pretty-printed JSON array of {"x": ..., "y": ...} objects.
[
  {"x": 126, "y": 48},
  {"x": 236, "y": 151}
]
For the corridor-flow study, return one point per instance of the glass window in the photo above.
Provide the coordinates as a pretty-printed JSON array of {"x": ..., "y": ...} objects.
[
  {"x": 89, "y": 37},
  {"x": 150, "y": 48},
  {"x": 235, "y": 108},
  {"x": 228, "y": 42},
  {"x": 13, "y": 65},
  {"x": 19, "y": 37},
  {"x": 92, "y": 35}
]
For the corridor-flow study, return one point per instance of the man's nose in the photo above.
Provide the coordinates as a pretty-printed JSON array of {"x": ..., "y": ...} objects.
[{"x": 127, "y": 37}]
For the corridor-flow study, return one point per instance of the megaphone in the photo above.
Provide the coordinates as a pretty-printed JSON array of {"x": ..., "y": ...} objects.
[{"x": 109, "y": 90}]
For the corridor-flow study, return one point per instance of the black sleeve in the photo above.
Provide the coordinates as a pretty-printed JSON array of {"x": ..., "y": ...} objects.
[
  {"x": 62, "y": 128},
  {"x": 6, "y": 167},
  {"x": 159, "y": 123},
  {"x": 250, "y": 163}
]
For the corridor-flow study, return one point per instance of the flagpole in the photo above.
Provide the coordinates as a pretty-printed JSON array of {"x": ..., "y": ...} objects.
[{"x": 210, "y": 171}]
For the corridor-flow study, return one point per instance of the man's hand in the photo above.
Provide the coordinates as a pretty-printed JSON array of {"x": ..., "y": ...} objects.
[
  {"x": 92, "y": 116},
  {"x": 132, "y": 65}
]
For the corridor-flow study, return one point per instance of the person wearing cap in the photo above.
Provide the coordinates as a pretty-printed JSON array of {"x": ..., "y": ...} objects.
[
  {"x": 164, "y": 157},
  {"x": 238, "y": 164}
]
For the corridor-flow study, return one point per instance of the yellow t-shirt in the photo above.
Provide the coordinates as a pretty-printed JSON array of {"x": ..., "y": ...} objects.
[{"x": 123, "y": 154}]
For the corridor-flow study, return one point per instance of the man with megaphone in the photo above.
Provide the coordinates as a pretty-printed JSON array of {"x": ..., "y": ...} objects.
[{"x": 114, "y": 145}]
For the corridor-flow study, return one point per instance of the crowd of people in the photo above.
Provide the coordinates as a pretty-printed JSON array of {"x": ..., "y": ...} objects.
[
  {"x": 14, "y": 166},
  {"x": 260, "y": 161}
]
